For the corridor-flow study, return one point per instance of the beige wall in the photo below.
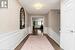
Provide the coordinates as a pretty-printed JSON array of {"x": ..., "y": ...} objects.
[
  {"x": 54, "y": 25},
  {"x": 10, "y": 17},
  {"x": 54, "y": 20},
  {"x": 46, "y": 20},
  {"x": 28, "y": 21},
  {"x": 26, "y": 18}
]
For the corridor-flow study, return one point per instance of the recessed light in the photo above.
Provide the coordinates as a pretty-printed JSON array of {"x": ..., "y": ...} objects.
[{"x": 38, "y": 5}]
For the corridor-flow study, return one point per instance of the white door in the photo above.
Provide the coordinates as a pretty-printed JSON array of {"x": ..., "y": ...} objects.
[{"x": 67, "y": 25}]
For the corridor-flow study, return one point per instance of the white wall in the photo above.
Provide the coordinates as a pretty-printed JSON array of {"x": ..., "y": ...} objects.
[
  {"x": 10, "y": 34},
  {"x": 54, "y": 25}
]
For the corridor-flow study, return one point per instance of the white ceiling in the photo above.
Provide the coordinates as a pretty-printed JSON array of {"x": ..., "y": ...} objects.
[
  {"x": 49, "y": 4},
  {"x": 37, "y": 19}
]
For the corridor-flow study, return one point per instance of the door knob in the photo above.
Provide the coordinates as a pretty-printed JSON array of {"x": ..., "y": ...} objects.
[{"x": 72, "y": 31}]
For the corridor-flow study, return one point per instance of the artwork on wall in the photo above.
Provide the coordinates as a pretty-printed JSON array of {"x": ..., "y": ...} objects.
[{"x": 22, "y": 18}]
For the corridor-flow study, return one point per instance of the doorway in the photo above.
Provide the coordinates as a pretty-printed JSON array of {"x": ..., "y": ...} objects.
[{"x": 38, "y": 24}]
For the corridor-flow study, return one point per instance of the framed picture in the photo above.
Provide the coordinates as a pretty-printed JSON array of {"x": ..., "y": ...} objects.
[{"x": 22, "y": 18}]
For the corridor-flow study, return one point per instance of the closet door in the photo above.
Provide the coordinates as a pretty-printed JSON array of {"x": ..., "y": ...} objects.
[{"x": 67, "y": 24}]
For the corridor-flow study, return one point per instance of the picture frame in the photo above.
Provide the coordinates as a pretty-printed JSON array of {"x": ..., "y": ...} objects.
[{"x": 22, "y": 18}]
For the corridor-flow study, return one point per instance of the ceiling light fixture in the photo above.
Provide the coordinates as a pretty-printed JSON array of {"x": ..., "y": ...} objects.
[{"x": 38, "y": 5}]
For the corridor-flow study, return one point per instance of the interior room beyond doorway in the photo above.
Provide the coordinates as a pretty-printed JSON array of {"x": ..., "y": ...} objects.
[{"x": 38, "y": 25}]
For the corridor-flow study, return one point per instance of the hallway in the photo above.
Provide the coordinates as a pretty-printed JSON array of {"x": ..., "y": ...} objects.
[
  {"x": 22, "y": 18},
  {"x": 37, "y": 42}
]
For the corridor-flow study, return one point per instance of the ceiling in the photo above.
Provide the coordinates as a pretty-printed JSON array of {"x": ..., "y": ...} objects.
[
  {"x": 37, "y": 19},
  {"x": 47, "y": 5}
]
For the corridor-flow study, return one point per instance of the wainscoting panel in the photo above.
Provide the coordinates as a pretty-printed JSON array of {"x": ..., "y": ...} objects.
[
  {"x": 9, "y": 41},
  {"x": 54, "y": 35}
]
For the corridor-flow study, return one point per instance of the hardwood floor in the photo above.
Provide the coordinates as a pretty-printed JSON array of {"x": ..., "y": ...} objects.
[
  {"x": 37, "y": 42},
  {"x": 22, "y": 43},
  {"x": 53, "y": 43}
]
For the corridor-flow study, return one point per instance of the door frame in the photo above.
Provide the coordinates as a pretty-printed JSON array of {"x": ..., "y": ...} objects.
[{"x": 36, "y": 16}]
